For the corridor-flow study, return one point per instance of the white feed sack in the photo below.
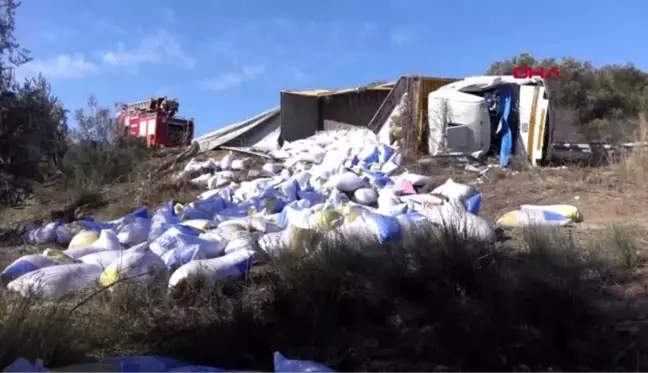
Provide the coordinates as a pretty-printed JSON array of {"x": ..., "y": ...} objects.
[
  {"x": 174, "y": 239},
  {"x": 192, "y": 165},
  {"x": 454, "y": 191},
  {"x": 134, "y": 232},
  {"x": 217, "y": 181},
  {"x": 226, "y": 162},
  {"x": 26, "y": 264},
  {"x": 280, "y": 154},
  {"x": 272, "y": 168},
  {"x": 293, "y": 239},
  {"x": 103, "y": 258},
  {"x": 140, "y": 248},
  {"x": 195, "y": 168},
  {"x": 176, "y": 257},
  {"x": 421, "y": 182},
  {"x": 64, "y": 234},
  {"x": 240, "y": 164},
  {"x": 423, "y": 200},
  {"x": 200, "y": 181},
  {"x": 41, "y": 235},
  {"x": 532, "y": 218},
  {"x": 413, "y": 225},
  {"x": 314, "y": 155},
  {"x": 161, "y": 218},
  {"x": 134, "y": 267},
  {"x": 365, "y": 196},
  {"x": 250, "y": 224},
  {"x": 54, "y": 282},
  {"x": 347, "y": 182},
  {"x": 107, "y": 241},
  {"x": 231, "y": 265},
  {"x": 59, "y": 256},
  {"x": 244, "y": 241},
  {"x": 465, "y": 224},
  {"x": 302, "y": 178},
  {"x": 387, "y": 198}
]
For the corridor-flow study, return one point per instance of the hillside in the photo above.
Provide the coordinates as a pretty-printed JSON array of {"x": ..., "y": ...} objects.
[
  {"x": 579, "y": 288},
  {"x": 303, "y": 258}
]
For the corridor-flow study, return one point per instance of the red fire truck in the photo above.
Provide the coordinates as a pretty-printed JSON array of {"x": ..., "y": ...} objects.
[{"x": 156, "y": 122}]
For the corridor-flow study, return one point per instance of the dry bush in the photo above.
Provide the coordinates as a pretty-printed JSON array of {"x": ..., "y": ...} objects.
[
  {"x": 634, "y": 164},
  {"x": 438, "y": 303},
  {"x": 407, "y": 121},
  {"x": 97, "y": 160}
]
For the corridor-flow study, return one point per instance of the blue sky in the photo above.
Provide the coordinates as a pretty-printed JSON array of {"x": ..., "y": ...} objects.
[{"x": 228, "y": 60}]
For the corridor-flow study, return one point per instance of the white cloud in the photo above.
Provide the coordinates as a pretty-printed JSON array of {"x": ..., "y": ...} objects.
[
  {"x": 64, "y": 66},
  {"x": 156, "y": 48},
  {"x": 401, "y": 37},
  {"x": 234, "y": 79},
  {"x": 300, "y": 75},
  {"x": 159, "y": 47},
  {"x": 101, "y": 25},
  {"x": 49, "y": 35},
  {"x": 224, "y": 48}
]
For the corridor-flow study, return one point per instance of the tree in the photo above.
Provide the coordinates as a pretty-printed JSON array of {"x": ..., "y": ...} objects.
[
  {"x": 95, "y": 125},
  {"x": 597, "y": 103},
  {"x": 33, "y": 123},
  {"x": 96, "y": 154}
]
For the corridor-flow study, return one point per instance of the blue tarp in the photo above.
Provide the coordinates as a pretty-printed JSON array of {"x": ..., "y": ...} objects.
[
  {"x": 155, "y": 363},
  {"x": 507, "y": 137}
]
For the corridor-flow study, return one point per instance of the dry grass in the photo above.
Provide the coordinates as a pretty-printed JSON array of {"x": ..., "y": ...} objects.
[
  {"x": 634, "y": 166},
  {"x": 357, "y": 306},
  {"x": 545, "y": 299}
]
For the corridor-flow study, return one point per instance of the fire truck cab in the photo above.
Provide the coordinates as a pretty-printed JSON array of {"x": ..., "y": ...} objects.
[{"x": 156, "y": 122}]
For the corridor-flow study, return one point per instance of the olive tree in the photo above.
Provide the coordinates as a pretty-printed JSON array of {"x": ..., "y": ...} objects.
[{"x": 33, "y": 122}]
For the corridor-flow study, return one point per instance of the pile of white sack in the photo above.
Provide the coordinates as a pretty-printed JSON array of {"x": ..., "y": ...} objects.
[{"x": 337, "y": 181}]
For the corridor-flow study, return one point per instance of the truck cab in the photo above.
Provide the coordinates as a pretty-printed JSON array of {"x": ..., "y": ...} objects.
[{"x": 484, "y": 115}]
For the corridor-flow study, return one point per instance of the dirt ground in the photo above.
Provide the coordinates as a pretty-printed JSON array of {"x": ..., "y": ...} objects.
[{"x": 600, "y": 193}]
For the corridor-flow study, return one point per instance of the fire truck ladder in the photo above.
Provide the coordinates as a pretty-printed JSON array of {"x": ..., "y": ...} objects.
[
  {"x": 144, "y": 105},
  {"x": 170, "y": 104}
]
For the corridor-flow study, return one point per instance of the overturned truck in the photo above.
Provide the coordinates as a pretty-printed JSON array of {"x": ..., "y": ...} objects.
[
  {"x": 477, "y": 116},
  {"x": 492, "y": 115}
]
